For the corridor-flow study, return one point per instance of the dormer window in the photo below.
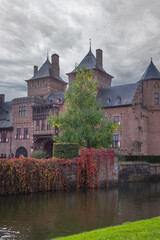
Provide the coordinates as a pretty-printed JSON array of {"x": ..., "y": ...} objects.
[
  {"x": 108, "y": 100},
  {"x": 156, "y": 98},
  {"x": 119, "y": 99}
]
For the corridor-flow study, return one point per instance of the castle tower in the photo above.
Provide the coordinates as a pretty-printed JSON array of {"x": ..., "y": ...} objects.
[
  {"x": 96, "y": 64},
  {"x": 47, "y": 79}
]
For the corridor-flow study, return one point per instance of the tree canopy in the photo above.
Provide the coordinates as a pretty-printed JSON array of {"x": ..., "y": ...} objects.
[{"x": 83, "y": 121}]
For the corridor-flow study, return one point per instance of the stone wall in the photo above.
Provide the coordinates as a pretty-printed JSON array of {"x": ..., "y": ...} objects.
[
  {"x": 138, "y": 171},
  {"x": 120, "y": 172}
]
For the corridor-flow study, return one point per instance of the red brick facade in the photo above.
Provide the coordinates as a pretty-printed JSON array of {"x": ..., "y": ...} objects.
[{"x": 139, "y": 118}]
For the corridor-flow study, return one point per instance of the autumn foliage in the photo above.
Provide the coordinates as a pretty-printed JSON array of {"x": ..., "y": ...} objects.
[
  {"x": 89, "y": 164},
  {"x": 26, "y": 175}
]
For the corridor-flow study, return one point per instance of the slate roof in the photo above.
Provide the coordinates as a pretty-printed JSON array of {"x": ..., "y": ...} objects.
[
  {"x": 117, "y": 96},
  {"x": 151, "y": 72},
  {"x": 6, "y": 115},
  {"x": 89, "y": 61},
  {"x": 45, "y": 71},
  {"x": 57, "y": 98}
]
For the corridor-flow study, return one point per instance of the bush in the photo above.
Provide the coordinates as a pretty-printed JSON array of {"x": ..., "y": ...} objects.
[
  {"x": 24, "y": 175},
  {"x": 38, "y": 155},
  {"x": 65, "y": 150},
  {"x": 121, "y": 158},
  {"x": 136, "y": 158}
]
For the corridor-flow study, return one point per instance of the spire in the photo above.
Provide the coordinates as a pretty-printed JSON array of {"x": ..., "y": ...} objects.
[
  {"x": 151, "y": 72},
  {"x": 47, "y": 55},
  {"x": 90, "y": 43}
]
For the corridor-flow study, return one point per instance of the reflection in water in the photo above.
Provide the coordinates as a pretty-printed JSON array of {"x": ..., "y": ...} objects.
[{"x": 46, "y": 215}]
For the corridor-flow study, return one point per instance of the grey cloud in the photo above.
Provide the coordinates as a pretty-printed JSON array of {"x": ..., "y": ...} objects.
[{"x": 126, "y": 31}]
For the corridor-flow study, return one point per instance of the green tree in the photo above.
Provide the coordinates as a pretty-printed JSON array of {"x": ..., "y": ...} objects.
[{"x": 83, "y": 121}]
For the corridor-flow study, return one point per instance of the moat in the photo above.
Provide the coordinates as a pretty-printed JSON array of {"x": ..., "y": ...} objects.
[{"x": 46, "y": 215}]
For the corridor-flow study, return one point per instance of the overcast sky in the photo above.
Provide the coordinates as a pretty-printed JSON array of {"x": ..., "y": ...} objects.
[{"x": 128, "y": 32}]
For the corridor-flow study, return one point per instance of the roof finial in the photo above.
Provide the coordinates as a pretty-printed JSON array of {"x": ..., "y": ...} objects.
[
  {"x": 90, "y": 44},
  {"x": 151, "y": 59},
  {"x": 47, "y": 54}
]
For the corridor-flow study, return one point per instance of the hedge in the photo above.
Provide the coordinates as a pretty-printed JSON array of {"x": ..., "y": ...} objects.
[
  {"x": 65, "y": 150},
  {"x": 135, "y": 158},
  {"x": 38, "y": 155},
  {"x": 24, "y": 175}
]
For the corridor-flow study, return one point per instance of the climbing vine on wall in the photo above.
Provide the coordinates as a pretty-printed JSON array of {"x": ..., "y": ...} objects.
[
  {"x": 89, "y": 164},
  {"x": 26, "y": 175}
]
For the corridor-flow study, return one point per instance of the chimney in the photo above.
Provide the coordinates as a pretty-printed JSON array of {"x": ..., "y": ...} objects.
[
  {"x": 35, "y": 69},
  {"x": 2, "y": 98},
  {"x": 99, "y": 61},
  {"x": 55, "y": 65}
]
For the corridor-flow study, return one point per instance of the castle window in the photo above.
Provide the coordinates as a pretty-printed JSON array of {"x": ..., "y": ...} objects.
[
  {"x": 37, "y": 125},
  {"x": 116, "y": 119},
  {"x": 56, "y": 130},
  {"x": 25, "y": 133},
  {"x": 4, "y": 136},
  {"x": 43, "y": 124},
  {"x": 22, "y": 111},
  {"x": 115, "y": 140},
  {"x": 18, "y": 133},
  {"x": 156, "y": 98}
]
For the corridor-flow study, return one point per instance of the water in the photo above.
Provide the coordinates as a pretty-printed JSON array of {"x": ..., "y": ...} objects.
[{"x": 46, "y": 215}]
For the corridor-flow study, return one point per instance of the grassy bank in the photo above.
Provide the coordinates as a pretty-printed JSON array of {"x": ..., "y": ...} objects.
[{"x": 141, "y": 230}]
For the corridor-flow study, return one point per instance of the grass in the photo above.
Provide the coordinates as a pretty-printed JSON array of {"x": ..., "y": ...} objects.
[{"x": 140, "y": 230}]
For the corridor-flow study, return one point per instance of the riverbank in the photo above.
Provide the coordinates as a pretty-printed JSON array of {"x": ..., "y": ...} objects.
[{"x": 140, "y": 230}]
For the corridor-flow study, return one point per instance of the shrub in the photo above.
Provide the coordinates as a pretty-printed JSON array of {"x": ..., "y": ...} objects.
[
  {"x": 137, "y": 158},
  {"x": 24, "y": 175},
  {"x": 38, "y": 155},
  {"x": 121, "y": 158},
  {"x": 65, "y": 150}
]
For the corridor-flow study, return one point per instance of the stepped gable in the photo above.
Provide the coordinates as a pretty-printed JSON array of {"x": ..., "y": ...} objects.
[
  {"x": 45, "y": 71},
  {"x": 5, "y": 115},
  {"x": 117, "y": 96},
  {"x": 151, "y": 72}
]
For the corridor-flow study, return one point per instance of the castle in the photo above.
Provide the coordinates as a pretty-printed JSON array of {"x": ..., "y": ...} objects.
[{"x": 135, "y": 107}]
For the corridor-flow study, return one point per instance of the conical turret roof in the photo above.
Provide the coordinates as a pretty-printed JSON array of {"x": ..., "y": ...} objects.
[
  {"x": 151, "y": 72},
  {"x": 89, "y": 62},
  {"x": 45, "y": 71}
]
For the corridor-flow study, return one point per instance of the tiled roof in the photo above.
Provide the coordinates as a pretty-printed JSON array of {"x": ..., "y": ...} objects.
[
  {"x": 6, "y": 115},
  {"x": 57, "y": 98},
  {"x": 151, "y": 72},
  {"x": 45, "y": 71},
  {"x": 117, "y": 96},
  {"x": 89, "y": 62}
]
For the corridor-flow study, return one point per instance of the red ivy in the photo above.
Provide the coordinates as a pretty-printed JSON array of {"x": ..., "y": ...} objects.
[{"x": 32, "y": 175}]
